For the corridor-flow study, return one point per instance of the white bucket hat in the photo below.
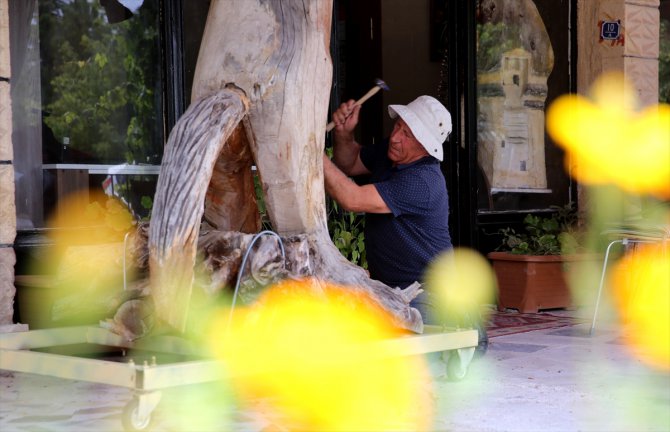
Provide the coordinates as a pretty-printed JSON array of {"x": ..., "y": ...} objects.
[{"x": 429, "y": 121}]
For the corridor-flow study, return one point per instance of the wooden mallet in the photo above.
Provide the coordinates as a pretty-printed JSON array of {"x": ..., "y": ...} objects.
[{"x": 379, "y": 84}]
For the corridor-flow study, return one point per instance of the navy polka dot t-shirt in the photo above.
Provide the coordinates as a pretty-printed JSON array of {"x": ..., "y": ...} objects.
[{"x": 400, "y": 244}]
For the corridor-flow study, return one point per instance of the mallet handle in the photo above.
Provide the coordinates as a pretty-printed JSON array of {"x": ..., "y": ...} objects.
[{"x": 360, "y": 101}]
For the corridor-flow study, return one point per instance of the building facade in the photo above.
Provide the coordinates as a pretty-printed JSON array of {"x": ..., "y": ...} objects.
[{"x": 499, "y": 164}]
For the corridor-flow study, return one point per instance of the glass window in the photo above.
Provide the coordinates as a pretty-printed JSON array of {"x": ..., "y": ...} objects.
[
  {"x": 522, "y": 65},
  {"x": 87, "y": 97}
]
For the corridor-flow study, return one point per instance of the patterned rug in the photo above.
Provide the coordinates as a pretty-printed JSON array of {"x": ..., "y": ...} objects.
[{"x": 506, "y": 323}]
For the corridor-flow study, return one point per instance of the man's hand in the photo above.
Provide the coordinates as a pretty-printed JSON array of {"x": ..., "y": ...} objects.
[
  {"x": 346, "y": 117},
  {"x": 346, "y": 151}
]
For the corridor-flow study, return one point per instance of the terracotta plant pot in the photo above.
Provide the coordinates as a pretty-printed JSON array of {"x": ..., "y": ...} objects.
[{"x": 529, "y": 283}]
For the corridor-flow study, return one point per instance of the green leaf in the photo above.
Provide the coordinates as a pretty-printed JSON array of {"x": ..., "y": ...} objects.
[
  {"x": 550, "y": 225},
  {"x": 101, "y": 60},
  {"x": 146, "y": 202}
]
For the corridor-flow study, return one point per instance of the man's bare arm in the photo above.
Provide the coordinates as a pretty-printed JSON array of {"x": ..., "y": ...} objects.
[{"x": 348, "y": 194}]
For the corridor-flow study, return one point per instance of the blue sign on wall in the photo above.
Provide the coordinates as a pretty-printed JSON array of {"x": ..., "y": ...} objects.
[{"x": 610, "y": 30}]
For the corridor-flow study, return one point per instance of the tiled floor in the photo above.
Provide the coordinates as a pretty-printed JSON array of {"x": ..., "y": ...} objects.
[{"x": 547, "y": 380}]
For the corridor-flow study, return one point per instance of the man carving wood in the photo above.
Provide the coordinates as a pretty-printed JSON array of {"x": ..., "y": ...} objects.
[{"x": 406, "y": 202}]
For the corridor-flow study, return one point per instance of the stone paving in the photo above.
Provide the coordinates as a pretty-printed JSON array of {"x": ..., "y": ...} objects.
[{"x": 546, "y": 380}]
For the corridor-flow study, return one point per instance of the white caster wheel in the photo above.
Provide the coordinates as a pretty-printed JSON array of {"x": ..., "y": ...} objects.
[
  {"x": 132, "y": 419},
  {"x": 458, "y": 362}
]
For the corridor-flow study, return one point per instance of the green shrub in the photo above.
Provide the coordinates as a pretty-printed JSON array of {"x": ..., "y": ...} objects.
[
  {"x": 346, "y": 230},
  {"x": 553, "y": 235}
]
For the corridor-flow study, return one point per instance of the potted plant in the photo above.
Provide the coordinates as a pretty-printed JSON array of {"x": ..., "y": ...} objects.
[{"x": 529, "y": 265}]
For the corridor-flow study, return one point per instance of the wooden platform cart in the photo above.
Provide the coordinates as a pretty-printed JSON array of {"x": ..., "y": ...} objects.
[
  {"x": 147, "y": 377},
  {"x": 155, "y": 363}
]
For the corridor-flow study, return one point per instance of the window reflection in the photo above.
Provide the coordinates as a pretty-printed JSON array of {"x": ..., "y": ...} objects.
[
  {"x": 100, "y": 81},
  {"x": 514, "y": 60},
  {"x": 87, "y": 97}
]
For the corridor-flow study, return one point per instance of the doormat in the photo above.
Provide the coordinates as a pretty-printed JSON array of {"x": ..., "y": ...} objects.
[{"x": 507, "y": 323}]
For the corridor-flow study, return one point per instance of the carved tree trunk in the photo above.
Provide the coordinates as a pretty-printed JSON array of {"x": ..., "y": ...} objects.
[
  {"x": 267, "y": 63},
  {"x": 188, "y": 163}
]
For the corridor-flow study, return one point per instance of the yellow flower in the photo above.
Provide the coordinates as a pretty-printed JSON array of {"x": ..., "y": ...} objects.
[
  {"x": 463, "y": 280},
  {"x": 641, "y": 282},
  {"x": 118, "y": 217},
  {"x": 94, "y": 212},
  {"x": 607, "y": 141},
  {"x": 311, "y": 350}
]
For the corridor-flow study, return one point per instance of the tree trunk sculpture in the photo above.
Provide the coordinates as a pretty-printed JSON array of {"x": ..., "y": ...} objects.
[{"x": 260, "y": 95}]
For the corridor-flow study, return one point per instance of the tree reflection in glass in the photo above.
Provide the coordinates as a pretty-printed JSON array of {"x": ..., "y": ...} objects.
[{"x": 101, "y": 81}]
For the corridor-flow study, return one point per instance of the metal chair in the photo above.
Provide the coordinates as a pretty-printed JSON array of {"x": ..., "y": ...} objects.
[{"x": 628, "y": 237}]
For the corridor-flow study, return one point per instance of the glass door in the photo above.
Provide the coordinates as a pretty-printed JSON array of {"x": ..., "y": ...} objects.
[
  {"x": 523, "y": 64},
  {"x": 504, "y": 63}
]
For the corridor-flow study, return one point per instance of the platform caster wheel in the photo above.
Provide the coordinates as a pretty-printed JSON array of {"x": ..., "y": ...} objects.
[
  {"x": 132, "y": 419},
  {"x": 458, "y": 362},
  {"x": 455, "y": 372}
]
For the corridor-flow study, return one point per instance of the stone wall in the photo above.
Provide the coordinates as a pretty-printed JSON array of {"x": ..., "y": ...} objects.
[
  {"x": 7, "y": 206},
  {"x": 635, "y": 54}
]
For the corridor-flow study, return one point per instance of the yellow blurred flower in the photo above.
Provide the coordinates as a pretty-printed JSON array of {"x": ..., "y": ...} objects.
[
  {"x": 463, "y": 280},
  {"x": 93, "y": 212},
  {"x": 641, "y": 282},
  {"x": 608, "y": 141},
  {"x": 82, "y": 220},
  {"x": 84, "y": 209},
  {"x": 311, "y": 350},
  {"x": 118, "y": 216}
]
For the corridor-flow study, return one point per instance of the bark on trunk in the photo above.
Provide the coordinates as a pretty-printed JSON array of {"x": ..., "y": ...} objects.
[
  {"x": 277, "y": 52},
  {"x": 188, "y": 163}
]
